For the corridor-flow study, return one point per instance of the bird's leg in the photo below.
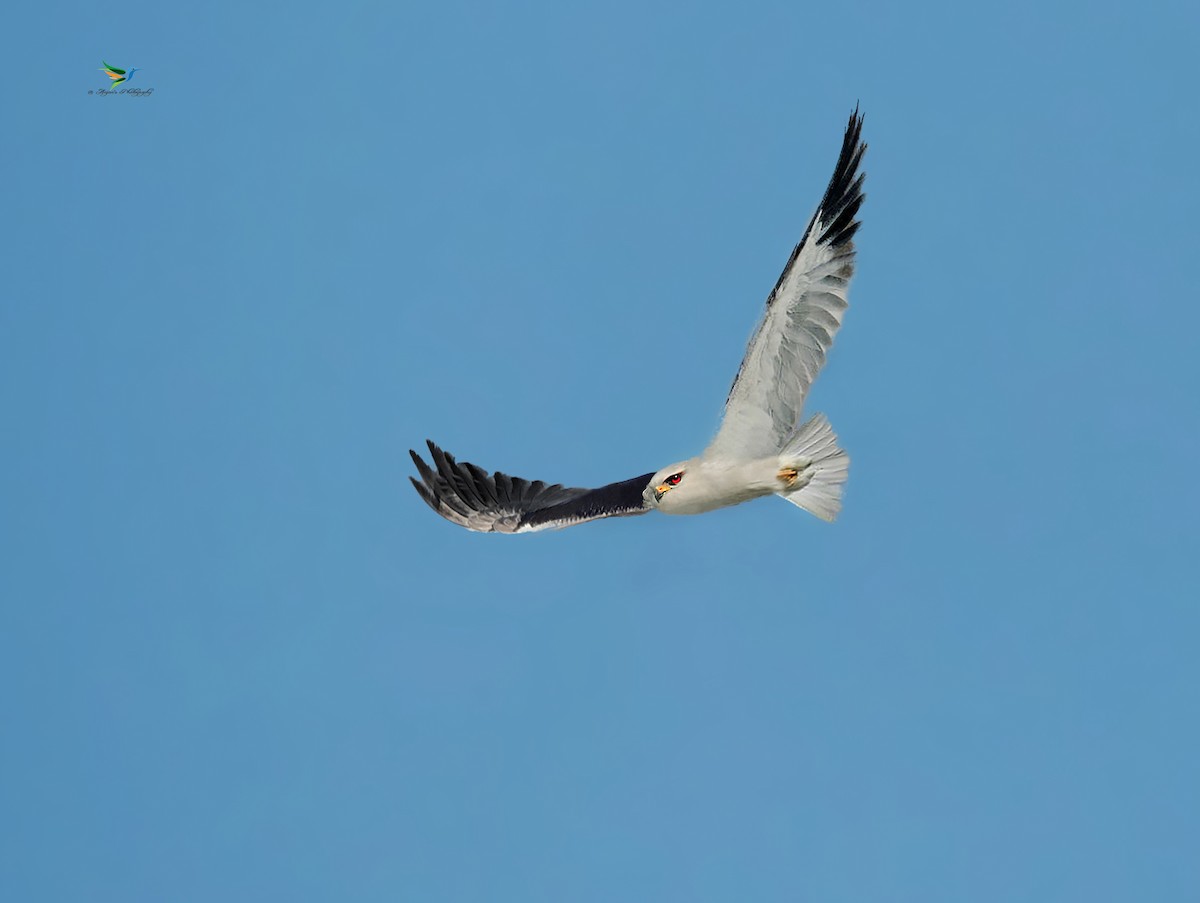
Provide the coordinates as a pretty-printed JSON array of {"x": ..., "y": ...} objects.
[{"x": 795, "y": 476}]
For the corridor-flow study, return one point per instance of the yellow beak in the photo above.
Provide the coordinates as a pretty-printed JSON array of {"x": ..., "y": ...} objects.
[{"x": 660, "y": 491}]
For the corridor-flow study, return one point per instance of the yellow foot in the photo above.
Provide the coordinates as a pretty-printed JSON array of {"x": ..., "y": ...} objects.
[{"x": 788, "y": 475}]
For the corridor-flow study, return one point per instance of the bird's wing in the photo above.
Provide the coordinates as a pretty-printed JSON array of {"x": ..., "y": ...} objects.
[
  {"x": 113, "y": 68},
  {"x": 804, "y": 311},
  {"x": 466, "y": 495}
]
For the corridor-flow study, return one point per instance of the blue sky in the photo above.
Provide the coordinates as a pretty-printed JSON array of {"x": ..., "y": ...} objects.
[{"x": 241, "y": 660}]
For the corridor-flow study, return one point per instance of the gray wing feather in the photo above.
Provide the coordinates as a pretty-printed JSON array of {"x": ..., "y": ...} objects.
[{"x": 804, "y": 312}]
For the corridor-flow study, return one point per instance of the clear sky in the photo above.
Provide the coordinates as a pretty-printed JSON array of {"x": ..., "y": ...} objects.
[{"x": 241, "y": 660}]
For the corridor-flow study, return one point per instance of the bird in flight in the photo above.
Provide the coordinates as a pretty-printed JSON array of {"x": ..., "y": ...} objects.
[
  {"x": 117, "y": 75},
  {"x": 762, "y": 447}
]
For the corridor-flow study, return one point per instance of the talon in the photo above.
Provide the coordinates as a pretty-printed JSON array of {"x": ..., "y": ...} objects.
[{"x": 788, "y": 475}]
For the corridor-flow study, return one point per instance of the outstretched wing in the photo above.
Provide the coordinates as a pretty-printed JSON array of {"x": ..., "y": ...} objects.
[
  {"x": 804, "y": 311},
  {"x": 113, "y": 69},
  {"x": 466, "y": 495}
]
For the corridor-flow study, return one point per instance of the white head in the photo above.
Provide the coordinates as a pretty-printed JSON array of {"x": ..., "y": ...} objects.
[{"x": 668, "y": 489}]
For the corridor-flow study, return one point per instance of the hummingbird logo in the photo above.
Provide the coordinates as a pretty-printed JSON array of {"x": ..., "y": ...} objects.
[{"x": 117, "y": 75}]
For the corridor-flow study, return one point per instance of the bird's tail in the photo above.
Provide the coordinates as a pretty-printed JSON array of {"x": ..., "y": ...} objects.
[{"x": 821, "y": 466}]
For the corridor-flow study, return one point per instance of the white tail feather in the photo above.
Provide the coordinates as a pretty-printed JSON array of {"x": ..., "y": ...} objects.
[{"x": 814, "y": 451}]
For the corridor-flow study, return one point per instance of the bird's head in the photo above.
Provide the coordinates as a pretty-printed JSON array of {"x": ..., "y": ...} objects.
[{"x": 667, "y": 482}]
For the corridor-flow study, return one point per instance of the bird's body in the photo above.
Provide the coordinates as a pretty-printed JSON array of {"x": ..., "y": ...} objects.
[
  {"x": 721, "y": 483},
  {"x": 762, "y": 447},
  {"x": 714, "y": 481}
]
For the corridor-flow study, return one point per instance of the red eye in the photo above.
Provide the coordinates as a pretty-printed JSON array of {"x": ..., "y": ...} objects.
[{"x": 673, "y": 479}]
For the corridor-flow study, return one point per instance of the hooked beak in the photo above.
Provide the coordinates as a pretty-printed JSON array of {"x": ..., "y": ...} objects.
[{"x": 660, "y": 491}]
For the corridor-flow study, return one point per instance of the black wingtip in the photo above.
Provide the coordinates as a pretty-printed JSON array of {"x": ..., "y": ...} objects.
[
  {"x": 424, "y": 470},
  {"x": 835, "y": 222},
  {"x": 425, "y": 494},
  {"x": 844, "y": 195}
]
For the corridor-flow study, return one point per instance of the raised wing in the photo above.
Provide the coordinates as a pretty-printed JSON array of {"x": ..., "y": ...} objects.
[
  {"x": 466, "y": 495},
  {"x": 113, "y": 69},
  {"x": 804, "y": 311}
]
